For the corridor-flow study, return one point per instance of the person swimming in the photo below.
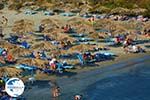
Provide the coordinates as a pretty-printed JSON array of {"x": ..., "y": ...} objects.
[{"x": 77, "y": 97}]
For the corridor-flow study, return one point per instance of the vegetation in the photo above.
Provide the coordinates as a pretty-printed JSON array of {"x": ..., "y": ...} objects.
[{"x": 101, "y": 6}]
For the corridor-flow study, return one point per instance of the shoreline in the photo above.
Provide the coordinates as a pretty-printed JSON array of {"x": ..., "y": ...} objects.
[
  {"x": 100, "y": 65},
  {"x": 76, "y": 84}
]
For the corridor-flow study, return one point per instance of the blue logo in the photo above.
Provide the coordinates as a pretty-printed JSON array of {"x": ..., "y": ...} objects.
[{"x": 14, "y": 87}]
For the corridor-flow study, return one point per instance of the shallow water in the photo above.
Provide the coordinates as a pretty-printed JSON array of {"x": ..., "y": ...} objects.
[
  {"x": 132, "y": 85},
  {"x": 127, "y": 80}
]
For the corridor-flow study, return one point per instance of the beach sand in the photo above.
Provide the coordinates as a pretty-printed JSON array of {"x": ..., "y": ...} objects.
[{"x": 69, "y": 81}]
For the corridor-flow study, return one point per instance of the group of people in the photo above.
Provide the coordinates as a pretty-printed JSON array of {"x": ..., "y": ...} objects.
[
  {"x": 5, "y": 56},
  {"x": 67, "y": 28},
  {"x": 87, "y": 56}
]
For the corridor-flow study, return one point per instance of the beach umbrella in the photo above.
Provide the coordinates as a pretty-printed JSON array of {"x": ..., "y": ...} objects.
[
  {"x": 23, "y": 26},
  {"x": 33, "y": 62},
  {"x": 85, "y": 8},
  {"x": 60, "y": 36},
  {"x": 85, "y": 29},
  {"x": 44, "y": 45},
  {"x": 138, "y": 11},
  {"x": 76, "y": 21},
  {"x": 51, "y": 24},
  {"x": 80, "y": 48},
  {"x": 20, "y": 51},
  {"x": 119, "y": 30},
  {"x": 10, "y": 71},
  {"x": 5, "y": 44},
  {"x": 97, "y": 35},
  {"x": 120, "y": 10},
  {"x": 101, "y": 23},
  {"x": 103, "y": 9}
]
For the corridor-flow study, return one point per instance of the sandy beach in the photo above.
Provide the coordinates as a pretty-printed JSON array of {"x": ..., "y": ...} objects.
[{"x": 79, "y": 79}]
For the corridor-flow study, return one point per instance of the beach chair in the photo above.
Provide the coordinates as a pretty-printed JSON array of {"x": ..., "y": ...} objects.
[
  {"x": 46, "y": 70},
  {"x": 26, "y": 67},
  {"x": 13, "y": 39},
  {"x": 25, "y": 45},
  {"x": 1, "y": 51},
  {"x": 49, "y": 13},
  {"x": 83, "y": 62}
]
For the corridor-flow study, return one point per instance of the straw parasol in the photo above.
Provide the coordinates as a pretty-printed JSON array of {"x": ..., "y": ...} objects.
[
  {"x": 59, "y": 36},
  {"x": 80, "y": 48},
  {"x": 98, "y": 35},
  {"x": 119, "y": 29},
  {"x": 33, "y": 62},
  {"x": 20, "y": 51},
  {"x": 101, "y": 23},
  {"x": 138, "y": 11},
  {"x": 23, "y": 26},
  {"x": 76, "y": 21},
  {"x": 5, "y": 44},
  {"x": 103, "y": 9},
  {"x": 120, "y": 10},
  {"x": 43, "y": 46},
  {"x": 51, "y": 24},
  {"x": 10, "y": 71}
]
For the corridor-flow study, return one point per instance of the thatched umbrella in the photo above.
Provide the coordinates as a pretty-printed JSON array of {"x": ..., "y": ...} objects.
[
  {"x": 10, "y": 71},
  {"x": 81, "y": 48},
  {"x": 4, "y": 44},
  {"x": 43, "y": 46},
  {"x": 85, "y": 29},
  {"x": 101, "y": 23},
  {"x": 103, "y": 9},
  {"x": 120, "y": 10},
  {"x": 60, "y": 36},
  {"x": 76, "y": 21},
  {"x": 98, "y": 35},
  {"x": 81, "y": 25},
  {"x": 20, "y": 51},
  {"x": 51, "y": 24},
  {"x": 138, "y": 11},
  {"x": 33, "y": 62},
  {"x": 23, "y": 26},
  {"x": 119, "y": 30},
  {"x": 85, "y": 8}
]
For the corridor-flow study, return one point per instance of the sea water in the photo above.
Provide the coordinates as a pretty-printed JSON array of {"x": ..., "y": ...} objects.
[{"x": 134, "y": 84}]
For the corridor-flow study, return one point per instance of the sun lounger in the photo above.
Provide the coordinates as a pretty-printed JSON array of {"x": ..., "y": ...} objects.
[
  {"x": 50, "y": 13},
  {"x": 13, "y": 39},
  {"x": 30, "y": 12},
  {"x": 25, "y": 45},
  {"x": 1, "y": 51},
  {"x": 47, "y": 71},
  {"x": 67, "y": 14},
  {"x": 27, "y": 67}
]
